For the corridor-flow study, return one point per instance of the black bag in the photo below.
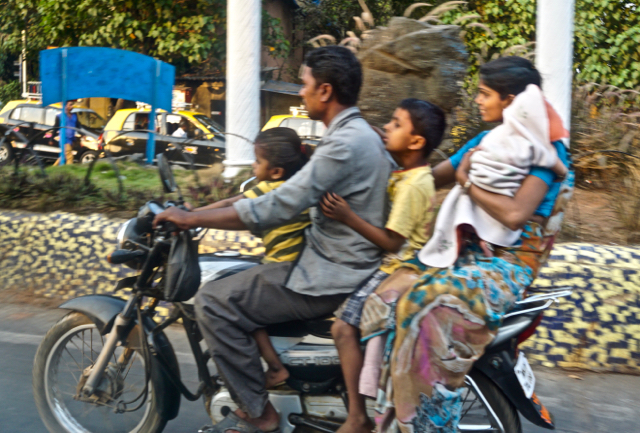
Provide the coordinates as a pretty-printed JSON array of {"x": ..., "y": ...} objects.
[{"x": 182, "y": 278}]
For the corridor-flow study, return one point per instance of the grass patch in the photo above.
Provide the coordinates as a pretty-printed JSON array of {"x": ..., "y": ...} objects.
[{"x": 64, "y": 188}]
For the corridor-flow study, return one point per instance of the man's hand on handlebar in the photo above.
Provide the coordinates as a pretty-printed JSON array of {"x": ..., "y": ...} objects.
[{"x": 173, "y": 215}]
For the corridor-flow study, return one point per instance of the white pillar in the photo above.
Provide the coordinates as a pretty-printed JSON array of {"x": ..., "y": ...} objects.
[
  {"x": 554, "y": 53},
  {"x": 244, "y": 19}
]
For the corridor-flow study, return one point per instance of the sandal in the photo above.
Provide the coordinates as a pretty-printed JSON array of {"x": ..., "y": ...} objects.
[{"x": 234, "y": 422}]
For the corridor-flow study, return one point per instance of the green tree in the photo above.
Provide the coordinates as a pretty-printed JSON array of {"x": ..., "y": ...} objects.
[
  {"x": 191, "y": 34},
  {"x": 607, "y": 32}
]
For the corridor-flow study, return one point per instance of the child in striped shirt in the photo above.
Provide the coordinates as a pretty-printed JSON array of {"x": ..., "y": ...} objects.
[{"x": 278, "y": 157}]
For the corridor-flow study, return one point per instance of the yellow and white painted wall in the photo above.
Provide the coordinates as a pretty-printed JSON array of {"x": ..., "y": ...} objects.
[{"x": 62, "y": 256}]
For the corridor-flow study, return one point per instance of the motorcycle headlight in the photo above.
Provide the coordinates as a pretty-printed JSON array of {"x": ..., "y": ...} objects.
[{"x": 123, "y": 233}]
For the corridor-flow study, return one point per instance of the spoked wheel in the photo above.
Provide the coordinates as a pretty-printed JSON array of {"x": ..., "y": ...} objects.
[
  {"x": 486, "y": 409},
  {"x": 61, "y": 368}
]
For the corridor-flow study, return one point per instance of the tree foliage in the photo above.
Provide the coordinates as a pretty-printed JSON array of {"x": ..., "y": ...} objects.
[
  {"x": 187, "y": 33},
  {"x": 607, "y": 32}
]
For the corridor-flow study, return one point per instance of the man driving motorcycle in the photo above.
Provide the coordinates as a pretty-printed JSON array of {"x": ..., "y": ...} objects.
[{"x": 349, "y": 161}]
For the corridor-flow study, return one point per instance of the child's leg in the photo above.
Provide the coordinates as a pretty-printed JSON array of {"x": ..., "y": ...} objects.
[
  {"x": 276, "y": 373},
  {"x": 347, "y": 339}
]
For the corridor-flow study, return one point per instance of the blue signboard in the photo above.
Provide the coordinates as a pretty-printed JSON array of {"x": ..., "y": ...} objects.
[{"x": 94, "y": 72}]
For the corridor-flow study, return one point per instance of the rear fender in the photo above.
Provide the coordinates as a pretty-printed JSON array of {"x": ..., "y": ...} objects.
[
  {"x": 102, "y": 310},
  {"x": 499, "y": 367}
]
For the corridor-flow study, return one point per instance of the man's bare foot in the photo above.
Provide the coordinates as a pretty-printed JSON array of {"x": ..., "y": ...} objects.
[
  {"x": 276, "y": 377},
  {"x": 269, "y": 421},
  {"x": 357, "y": 425}
]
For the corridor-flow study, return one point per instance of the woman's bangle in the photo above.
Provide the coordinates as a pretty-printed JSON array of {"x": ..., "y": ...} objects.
[{"x": 466, "y": 186}]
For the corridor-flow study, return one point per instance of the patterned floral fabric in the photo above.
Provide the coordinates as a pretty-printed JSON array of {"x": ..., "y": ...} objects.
[{"x": 444, "y": 322}]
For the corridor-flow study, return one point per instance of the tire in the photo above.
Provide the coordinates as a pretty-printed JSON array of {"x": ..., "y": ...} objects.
[
  {"x": 88, "y": 156},
  {"x": 6, "y": 154},
  {"x": 503, "y": 409},
  {"x": 50, "y": 395}
]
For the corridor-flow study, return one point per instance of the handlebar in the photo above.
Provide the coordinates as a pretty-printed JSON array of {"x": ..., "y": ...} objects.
[{"x": 122, "y": 256}]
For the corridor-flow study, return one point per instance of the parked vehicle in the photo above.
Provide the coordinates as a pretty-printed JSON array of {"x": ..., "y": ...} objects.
[
  {"x": 204, "y": 141},
  {"x": 310, "y": 131},
  {"x": 108, "y": 366},
  {"x": 38, "y": 119}
]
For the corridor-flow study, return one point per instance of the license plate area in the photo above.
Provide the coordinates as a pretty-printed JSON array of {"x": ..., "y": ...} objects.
[{"x": 525, "y": 375}]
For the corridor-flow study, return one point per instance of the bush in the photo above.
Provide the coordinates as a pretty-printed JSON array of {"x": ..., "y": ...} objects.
[
  {"x": 9, "y": 92},
  {"x": 64, "y": 188}
]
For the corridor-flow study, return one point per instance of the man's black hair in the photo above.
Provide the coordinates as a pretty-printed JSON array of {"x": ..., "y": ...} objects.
[
  {"x": 339, "y": 67},
  {"x": 509, "y": 75},
  {"x": 281, "y": 147},
  {"x": 428, "y": 121}
]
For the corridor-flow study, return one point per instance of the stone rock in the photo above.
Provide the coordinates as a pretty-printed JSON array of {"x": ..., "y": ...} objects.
[{"x": 411, "y": 59}]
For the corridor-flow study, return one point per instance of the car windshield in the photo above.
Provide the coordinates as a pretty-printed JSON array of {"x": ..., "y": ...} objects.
[{"x": 211, "y": 125}]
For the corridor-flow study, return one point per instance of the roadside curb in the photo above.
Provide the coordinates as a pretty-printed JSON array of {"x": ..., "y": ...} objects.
[{"x": 62, "y": 256}]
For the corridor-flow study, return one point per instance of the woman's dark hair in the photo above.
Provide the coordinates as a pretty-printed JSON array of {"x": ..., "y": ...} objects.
[
  {"x": 339, "y": 67},
  {"x": 281, "y": 147},
  {"x": 509, "y": 75},
  {"x": 428, "y": 121}
]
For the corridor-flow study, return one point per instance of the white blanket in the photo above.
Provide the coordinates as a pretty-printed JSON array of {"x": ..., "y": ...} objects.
[{"x": 504, "y": 158}]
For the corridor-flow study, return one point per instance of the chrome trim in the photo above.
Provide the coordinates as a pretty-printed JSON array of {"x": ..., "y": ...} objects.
[
  {"x": 544, "y": 296},
  {"x": 245, "y": 183},
  {"x": 530, "y": 310},
  {"x": 476, "y": 389},
  {"x": 121, "y": 232}
]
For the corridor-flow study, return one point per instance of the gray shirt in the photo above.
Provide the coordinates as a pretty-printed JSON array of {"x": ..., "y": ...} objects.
[{"x": 350, "y": 160}]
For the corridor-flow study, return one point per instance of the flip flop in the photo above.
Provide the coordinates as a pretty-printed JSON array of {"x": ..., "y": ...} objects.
[{"x": 234, "y": 422}]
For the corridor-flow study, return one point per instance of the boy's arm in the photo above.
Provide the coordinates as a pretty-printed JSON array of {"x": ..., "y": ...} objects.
[
  {"x": 336, "y": 207},
  {"x": 220, "y": 204}
]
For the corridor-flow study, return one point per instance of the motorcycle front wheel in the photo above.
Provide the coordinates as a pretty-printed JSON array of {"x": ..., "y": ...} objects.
[{"x": 61, "y": 366}]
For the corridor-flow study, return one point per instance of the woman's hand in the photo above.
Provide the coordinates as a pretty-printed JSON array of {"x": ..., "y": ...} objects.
[
  {"x": 462, "y": 173},
  {"x": 335, "y": 207}
]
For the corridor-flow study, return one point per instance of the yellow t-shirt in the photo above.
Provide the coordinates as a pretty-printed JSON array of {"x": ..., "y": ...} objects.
[
  {"x": 412, "y": 195},
  {"x": 284, "y": 243}
]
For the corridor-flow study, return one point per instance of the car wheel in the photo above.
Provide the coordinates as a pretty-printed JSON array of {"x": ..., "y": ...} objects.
[
  {"x": 6, "y": 155},
  {"x": 88, "y": 157}
]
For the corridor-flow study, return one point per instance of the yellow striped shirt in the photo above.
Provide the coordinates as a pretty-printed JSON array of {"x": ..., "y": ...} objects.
[{"x": 284, "y": 243}]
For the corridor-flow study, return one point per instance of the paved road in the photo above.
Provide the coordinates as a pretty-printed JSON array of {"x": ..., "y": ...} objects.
[{"x": 595, "y": 404}]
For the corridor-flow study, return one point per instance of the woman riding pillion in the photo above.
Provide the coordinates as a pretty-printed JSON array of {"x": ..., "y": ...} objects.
[{"x": 451, "y": 314}]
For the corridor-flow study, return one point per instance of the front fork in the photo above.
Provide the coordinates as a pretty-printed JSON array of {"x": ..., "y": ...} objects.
[{"x": 119, "y": 331}]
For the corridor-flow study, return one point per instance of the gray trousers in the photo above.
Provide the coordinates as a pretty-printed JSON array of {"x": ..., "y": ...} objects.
[{"x": 229, "y": 310}]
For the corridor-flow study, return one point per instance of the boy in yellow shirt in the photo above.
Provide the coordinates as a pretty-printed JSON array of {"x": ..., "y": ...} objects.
[{"x": 415, "y": 130}]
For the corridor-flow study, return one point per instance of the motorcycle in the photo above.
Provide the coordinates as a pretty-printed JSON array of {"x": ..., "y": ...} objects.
[{"x": 108, "y": 365}]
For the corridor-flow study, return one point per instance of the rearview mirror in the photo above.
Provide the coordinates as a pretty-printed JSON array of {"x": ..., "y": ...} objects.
[{"x": 166, "y": 175}]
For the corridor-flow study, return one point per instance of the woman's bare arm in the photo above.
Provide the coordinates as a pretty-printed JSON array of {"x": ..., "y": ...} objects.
[
  {"x": 444, "y": 174},
  {"x": 514, "y": 211}
]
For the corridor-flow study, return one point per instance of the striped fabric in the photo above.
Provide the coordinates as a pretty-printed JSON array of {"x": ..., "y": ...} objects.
[{"x": 282, "y": 244}]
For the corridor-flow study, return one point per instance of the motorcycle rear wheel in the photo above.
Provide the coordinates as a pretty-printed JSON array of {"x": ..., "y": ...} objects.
[
  {"x": 487, "y": 410},
  {"x": 71, "y": 346}
]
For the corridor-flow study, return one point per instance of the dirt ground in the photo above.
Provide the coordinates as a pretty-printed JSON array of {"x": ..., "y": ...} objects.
[{"x": 592, "y": 217}]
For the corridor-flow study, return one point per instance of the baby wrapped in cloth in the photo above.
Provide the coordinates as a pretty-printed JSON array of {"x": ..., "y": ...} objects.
[{"x": 500, "y": 164}]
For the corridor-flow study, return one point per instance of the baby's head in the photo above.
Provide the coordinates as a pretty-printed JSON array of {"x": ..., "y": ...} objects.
[
  {"x": 501, "y": 80},
  {"x": 278, "y": 154},
  {"x": 416, "y": 126}
]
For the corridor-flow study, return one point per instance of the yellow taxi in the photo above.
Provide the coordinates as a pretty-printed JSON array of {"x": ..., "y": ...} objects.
[
  {"x": 310, "y": 131},
  {"x": 203, "y": 138}
]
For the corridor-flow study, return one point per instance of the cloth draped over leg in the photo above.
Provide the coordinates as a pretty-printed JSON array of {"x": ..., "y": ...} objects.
[{"x": 442, "y": 326}]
